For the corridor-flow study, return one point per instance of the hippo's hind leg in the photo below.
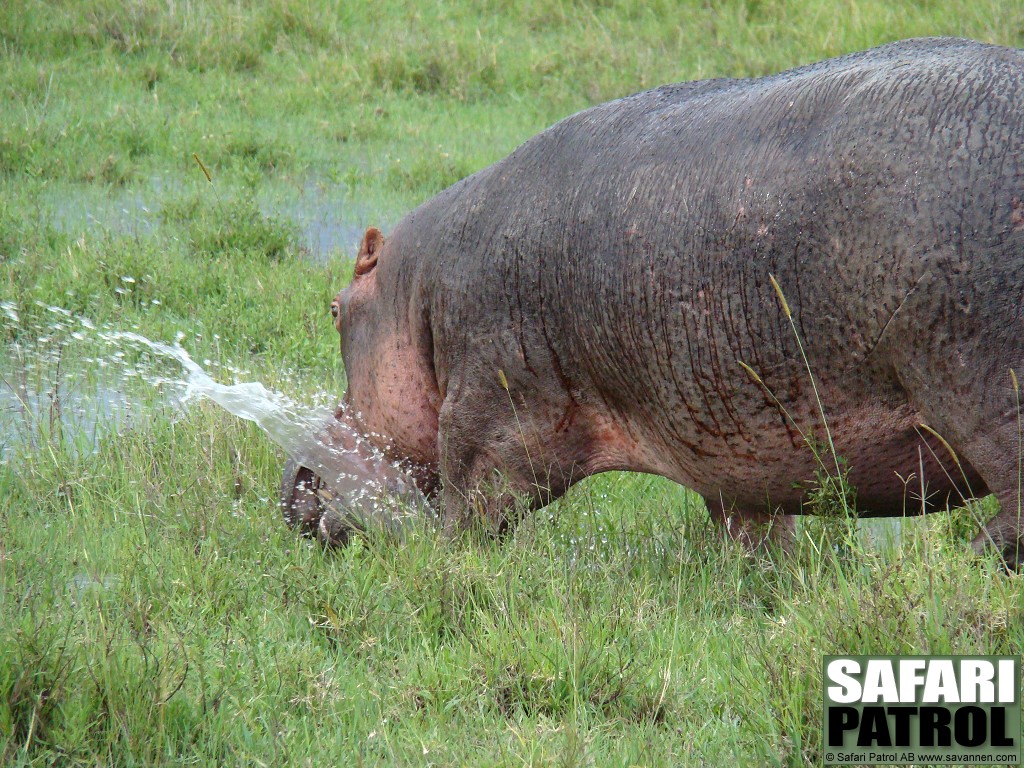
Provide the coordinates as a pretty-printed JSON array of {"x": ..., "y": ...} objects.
[
  {"x": 755, "y": 529},
  {"x": 987, "y": 446},
  {"x": 999, "y": 461},
  {"x": 1003, "y": 533}
]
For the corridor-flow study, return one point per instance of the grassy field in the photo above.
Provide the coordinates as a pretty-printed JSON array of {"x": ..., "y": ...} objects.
[{"x": 153, "y": 607}]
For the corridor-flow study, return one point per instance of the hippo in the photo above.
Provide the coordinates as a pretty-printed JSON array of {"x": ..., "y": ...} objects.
[{"x": 731, "y": 283}]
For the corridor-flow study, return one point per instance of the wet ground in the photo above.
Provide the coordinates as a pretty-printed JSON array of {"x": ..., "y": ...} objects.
[
  {"x": 329, "y": 218},
  {"x": 67, "y": 385}
]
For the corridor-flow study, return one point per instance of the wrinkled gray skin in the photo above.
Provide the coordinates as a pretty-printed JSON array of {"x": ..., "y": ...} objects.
[{"x": 615, "y": 269}]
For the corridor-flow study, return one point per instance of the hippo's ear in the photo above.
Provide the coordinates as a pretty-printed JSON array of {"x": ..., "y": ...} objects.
[{"x": 373, "y": 241}]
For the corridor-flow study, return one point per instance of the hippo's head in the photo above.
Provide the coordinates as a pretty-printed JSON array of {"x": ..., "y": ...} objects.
[{"x": 392, "y": 397}]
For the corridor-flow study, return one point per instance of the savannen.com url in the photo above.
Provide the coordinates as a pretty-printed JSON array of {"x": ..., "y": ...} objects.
[
  {"x": 952, "y": 757},
  {"x": 907, "y": 757}
]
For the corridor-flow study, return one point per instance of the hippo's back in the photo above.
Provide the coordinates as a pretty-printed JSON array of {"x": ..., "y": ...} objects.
[{"x": 800, "y": 171}]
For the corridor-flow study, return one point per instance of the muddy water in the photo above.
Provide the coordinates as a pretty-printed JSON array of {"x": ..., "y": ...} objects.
[
  {"x": 329, "y": 219},
  {"x": 81, "y": 417}
]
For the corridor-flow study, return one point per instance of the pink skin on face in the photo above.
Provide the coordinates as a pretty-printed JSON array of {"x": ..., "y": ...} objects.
[{"x": 392, "y": 398}]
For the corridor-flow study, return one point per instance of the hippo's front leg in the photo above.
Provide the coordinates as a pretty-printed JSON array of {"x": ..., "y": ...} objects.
[
  {"x": 486, "y": 471},
  {"x": 500, "y": 452}
]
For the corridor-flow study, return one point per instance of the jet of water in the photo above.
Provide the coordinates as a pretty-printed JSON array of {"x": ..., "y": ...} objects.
[{"x": 366, "y": 483}]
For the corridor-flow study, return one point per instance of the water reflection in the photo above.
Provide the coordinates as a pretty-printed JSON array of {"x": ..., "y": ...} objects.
[{"x": 329, "y": 218}]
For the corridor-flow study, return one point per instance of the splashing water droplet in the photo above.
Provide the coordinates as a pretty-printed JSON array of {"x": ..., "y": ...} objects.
[
  {"x": 363, "y": 478},
  {"x": 365, "y": 484}
]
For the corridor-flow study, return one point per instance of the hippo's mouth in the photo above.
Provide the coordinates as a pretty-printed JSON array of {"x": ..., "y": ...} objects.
[
  {"x": 342, "y": 484},
  {"x": 312, "y": 508}
]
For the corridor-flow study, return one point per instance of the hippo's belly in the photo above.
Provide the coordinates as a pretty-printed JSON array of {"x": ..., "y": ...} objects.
[{"x": 893, "y": 464}]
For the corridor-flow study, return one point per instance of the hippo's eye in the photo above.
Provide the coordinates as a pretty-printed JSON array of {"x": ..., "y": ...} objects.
[{"x": 334, "y": 309}]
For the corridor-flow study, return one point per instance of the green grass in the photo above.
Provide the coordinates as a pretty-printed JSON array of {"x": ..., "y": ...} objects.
[{"x": 153, "y": 607}]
